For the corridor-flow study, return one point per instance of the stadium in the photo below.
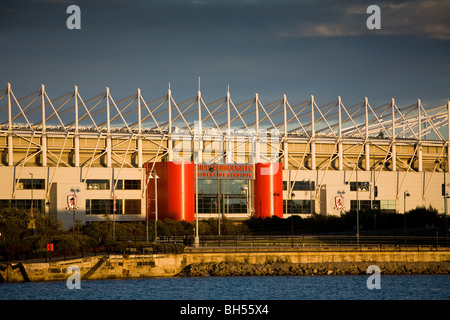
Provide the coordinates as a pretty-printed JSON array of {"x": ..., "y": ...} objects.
[{"x": 135, "y": 159}]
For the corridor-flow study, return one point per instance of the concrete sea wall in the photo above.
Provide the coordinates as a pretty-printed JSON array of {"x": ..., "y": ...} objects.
[{"x": 231, "y": 263}]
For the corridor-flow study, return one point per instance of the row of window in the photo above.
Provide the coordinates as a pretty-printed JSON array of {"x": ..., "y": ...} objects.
[
  {"x": 311, "y": 185},
  {"x": 226, "y": 204},
  {"x": 105, "y": 184},
  {"x": 298, "y": 206},
  {"x": 205, "y": 186},
  {"x": 28, "y": 184},
  {"x": 206, "y": 204},
  {"x": 92, "y": 184},
  {"x": 99, "y": 206},
  {"x": 384, "y": 205},
  {"x": 300, "y": 185},
  {"x": 38, "y": 204},
  {"x": 360, "y": 186},
  {"x": 106, "y": 206},
  {"x": 228, "y": 187}
]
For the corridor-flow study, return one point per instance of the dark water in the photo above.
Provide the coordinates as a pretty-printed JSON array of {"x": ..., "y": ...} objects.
[{"x": 417, "y": 287}]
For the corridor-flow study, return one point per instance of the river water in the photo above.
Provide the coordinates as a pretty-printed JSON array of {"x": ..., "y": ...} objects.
[{"x": 391, "y": 287}]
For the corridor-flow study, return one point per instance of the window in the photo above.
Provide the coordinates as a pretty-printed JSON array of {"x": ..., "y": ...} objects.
[
  {"x": 363, "y": 204},
  {"x": 28, "y": 184},
  {"x": 383, "y": 205},
  {"x": 97, "y": 184},
  {"x": 362, "y": 186},
  {"x": 128, "y": 184},
  {"x": 233, "y": 196},
  {"x": 300, "y": 185},
  {"x": 235, "y": 204},
  {"x": 226, "y": 187},
  {"x": 38, "y": 204},
  {"x": 303, "y": 185},
  {"x": 132, "y": 206},
  {"x": 387, "y": 205},
  {"x": 132, "y": 184},
  {"x": 103, "y": 206},
  {"x": 235, "y": 187},
  {"x": 298, "y": 206},
  {"x": 207, "y": 204},
  {"x": 229, "y": 203}
]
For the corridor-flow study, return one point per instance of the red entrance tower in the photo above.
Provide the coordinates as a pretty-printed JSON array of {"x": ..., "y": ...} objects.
[
  {"x": 268, "y": 190},
  {"x": 176, "y": 191}
]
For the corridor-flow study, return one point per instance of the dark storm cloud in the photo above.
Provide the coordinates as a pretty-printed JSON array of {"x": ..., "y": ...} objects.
[
  {"x": 267, "y": 46},
  {"x": 427, "y": 19},
  {"x": 267, "y": 19}
]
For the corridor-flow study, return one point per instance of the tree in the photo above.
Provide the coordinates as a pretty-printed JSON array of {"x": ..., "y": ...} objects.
[{"x": 14, "y": 223}]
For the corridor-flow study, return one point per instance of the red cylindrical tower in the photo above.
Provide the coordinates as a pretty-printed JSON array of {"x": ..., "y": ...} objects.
[
  {"x": 268, "y": 190},
  {"x": 176, "y": 187}
]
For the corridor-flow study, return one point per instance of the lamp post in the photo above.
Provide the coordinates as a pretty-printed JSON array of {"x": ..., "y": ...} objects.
[
  {"x": 446, "y": 213},
  {"x": 74, "y": 208},
  {"x": 32, "y": 223},
  {"x": 90, "y": 201},
  {"x": 275, "y": 195},
  {"x": 291, "y": 194},
  {"x": 155, "y": 176},
  {"x": 197, "y": 239},
  {"x": 211, "y": 169},
  {"x": 245, "y": 190},
  {"x": 357, "y": 203},
  {"x": 151, "y": 175},
  {"x": 90, "y": 187},
  {"x": 147, "y": 204},
  {"x": 446, "y": 196},
  {"x": 405, "y": 195}
]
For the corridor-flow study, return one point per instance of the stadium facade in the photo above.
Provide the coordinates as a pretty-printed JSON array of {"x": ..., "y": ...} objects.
[{"x": 135, "y": 159}]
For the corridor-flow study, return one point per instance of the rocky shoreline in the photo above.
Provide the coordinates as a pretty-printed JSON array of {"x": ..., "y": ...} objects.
[{"x": 311, "y": 269}]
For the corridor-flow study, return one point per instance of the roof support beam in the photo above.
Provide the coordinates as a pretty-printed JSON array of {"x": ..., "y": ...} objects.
[
  {"x": 313, "y": 137},
  {"x": 394, "y": 145},
  {"x": 340, "y": 145}
]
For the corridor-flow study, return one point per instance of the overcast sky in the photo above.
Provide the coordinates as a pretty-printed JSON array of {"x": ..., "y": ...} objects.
[{"x": 271, "y": 47}]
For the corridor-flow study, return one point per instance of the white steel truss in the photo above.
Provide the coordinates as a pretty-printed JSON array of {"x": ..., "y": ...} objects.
[{"x": 100, "y": 131}]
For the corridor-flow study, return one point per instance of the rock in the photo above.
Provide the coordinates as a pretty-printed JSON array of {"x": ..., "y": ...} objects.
[{"x": 338, "y": 268}]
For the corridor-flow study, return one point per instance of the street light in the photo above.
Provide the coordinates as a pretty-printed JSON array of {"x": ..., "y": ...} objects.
[
  {"x": 275, "y": 195},
  {"x": 90, "y": 187},
  {"x": 446, "y": 196},
  {"x": 74, "y": 208},
  {"x": 211, "y": 169},
  {"x": 197, "y": 239},
  {"x": 291, "y": 194},
  {"x": 153, "y": 175},
  {"x": 32, "y": 223},
  {"x": 357, "y": 204},
  {"x": 245, "y": 190},
  {"x": 405, "y": 195}
]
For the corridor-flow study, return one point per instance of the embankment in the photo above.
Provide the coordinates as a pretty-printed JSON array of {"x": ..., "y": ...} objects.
[
  {"x": 232, "y": 264},
  {"x": 310, "y": 269}
]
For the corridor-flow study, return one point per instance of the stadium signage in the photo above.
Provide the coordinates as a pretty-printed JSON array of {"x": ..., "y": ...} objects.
[{"x": 225, "y": 171}]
